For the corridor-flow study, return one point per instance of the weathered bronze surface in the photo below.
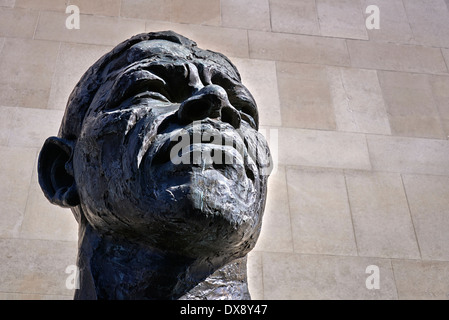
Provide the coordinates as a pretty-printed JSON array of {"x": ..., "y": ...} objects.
[{"x": 160, "y": 159}]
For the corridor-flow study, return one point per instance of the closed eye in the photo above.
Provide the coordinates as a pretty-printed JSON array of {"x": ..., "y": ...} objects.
[
  {"x": 149, "y": 88},
  {"x": 139, "y": 84}
]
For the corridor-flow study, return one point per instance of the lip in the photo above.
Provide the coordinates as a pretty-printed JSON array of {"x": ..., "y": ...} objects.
[{"x": 202, "y": 145}]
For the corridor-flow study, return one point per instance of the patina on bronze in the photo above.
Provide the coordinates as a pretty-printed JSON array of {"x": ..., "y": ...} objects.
[{"x": 151, "y": 227}]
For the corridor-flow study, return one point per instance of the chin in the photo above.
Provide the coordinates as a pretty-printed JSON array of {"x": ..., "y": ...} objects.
[
  {"x": 202, "y": 217},
  {"x": 225, "y": 191},
  {"x": 217, "y": 194}
]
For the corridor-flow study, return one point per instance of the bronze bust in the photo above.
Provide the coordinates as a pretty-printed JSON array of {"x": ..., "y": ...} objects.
[{"x": 160, "y": 160}]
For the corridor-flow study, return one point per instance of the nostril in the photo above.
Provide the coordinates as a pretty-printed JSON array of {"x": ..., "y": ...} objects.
[
  {"x": 195, "y": 109},
  {"x": 165, "y": 124},
  {"x": 211, "y": 101},
  {"x": 199, "y": 109}
]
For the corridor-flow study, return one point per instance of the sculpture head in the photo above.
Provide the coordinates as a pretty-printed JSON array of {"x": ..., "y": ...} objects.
[{"x": 133, "y": 115}]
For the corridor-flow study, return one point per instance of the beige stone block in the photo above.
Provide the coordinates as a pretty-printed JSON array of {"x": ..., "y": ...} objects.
[
  {"x": 246, "y": 14},
  {"x": 16, "y": 166},
  {"x": 73, "y": 61},
  {"x": 446, "y": 56},
  {"x": 411, "y": 108},
  {"x": 196, "y": 11},
  {"x": 19, "y": 23},
  {"x": 391, "y": 56},
  {"x": 343, "y": 19},
  {"x": 393, "y": 22},
  {"x": 255, "y": 275},
  {"x": 409, "y": 155},
  {"x": 50, "y": 5},
  {"x": 98, "y": 7},
  {"x": 7, "y": 3},
  {"x": 428, "y": 197},
  {"x": 297, "y": 48},
  {"x": 31, "y": 127},
  {"x": 293, "y": 16},
  {"x": 36, "y": 266},
  {"x": 144, "y": 9},
  {"x": 322, "y": 277},
  {"x": 2, "y": 43},
  {"x": 26, "y": 70},
  {"x": 231, "y": 42},
  {"x": 7, "y": 113},
  {"x": 415, "y": 127},
  {"x": 93, "y": 29},
  {"x": 357, "y": 101},
  {"x": 276, "y": 234},
  {"x": 259, "y": 76},
  {"x": 421, "y": 280},
  {"x": 26, "y": 97},
  {"x": 305, "y": 96},
  {"x": 323, "y": 149},
  {"x": 45, "y": 221},
  {"x": 428, "y": 21},
  {"x": 321, "y": 218},
  {"x": 27, "y": 64},
  {"x": 200, "y": 12},
  {"x": 440, "y": 91},
  {"x": 382, "y": 221},
  {"x": 31, "y": 296}
]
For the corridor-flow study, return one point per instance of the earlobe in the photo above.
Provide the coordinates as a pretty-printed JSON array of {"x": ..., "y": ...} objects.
[{"x": 55, "y": 172}]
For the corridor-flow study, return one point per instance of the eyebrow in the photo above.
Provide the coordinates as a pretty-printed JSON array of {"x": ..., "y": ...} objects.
[
  {"x": 155, "y": 71},
  {"x": 168, "y": 68}
]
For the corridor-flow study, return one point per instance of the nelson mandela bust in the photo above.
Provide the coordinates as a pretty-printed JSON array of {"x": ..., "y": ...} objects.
[{"x": 160, "y": 160}]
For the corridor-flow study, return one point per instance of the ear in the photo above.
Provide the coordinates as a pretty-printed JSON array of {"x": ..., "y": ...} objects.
[{"x": 55, "y": 169}]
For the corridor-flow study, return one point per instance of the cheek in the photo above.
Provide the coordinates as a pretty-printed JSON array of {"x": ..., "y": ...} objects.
[
  {"x": 101, "y": 145},
  {"x": 89, "y": 180},
  {"x": 97, "y": 160},
  {"x": 106, "y": 157},
  {"x": 86, "y": 163},
  {"x": 106, "y": 194}
]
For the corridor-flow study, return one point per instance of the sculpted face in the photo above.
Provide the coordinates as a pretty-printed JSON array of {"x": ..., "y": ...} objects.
[{"x": 169, "y": 154}]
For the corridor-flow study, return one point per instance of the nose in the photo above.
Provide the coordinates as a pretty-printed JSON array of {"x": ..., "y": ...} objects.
[{"x": 210, "y": 101}]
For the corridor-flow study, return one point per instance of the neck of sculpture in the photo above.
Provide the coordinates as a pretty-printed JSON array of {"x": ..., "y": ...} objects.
[{"x": 114, "y": 268}]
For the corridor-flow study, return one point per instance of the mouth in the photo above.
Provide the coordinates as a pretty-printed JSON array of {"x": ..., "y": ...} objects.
[{"x": 207, "y": 145}]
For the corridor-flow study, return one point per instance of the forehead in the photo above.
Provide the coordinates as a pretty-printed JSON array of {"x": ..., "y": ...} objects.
[
  {"x": 167, "y": 52},
  {"x": 149, "y": 48}
]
